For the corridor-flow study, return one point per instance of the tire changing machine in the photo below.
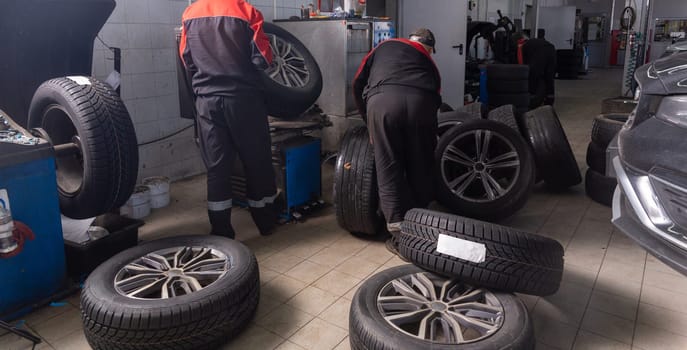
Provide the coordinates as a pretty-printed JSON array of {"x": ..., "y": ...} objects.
[
  {"x": 32, "y": 259},
  {"x": 297, "y": 168}
]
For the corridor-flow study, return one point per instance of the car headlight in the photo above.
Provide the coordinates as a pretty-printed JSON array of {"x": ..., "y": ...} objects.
[{"x": 673, "y": 109}]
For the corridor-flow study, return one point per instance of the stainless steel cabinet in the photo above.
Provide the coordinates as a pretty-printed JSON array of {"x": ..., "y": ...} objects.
[{"x": 338, "y": 47}]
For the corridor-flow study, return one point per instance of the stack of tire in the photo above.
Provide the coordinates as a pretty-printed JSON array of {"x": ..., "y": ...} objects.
[
  {"x": 508, "y": 84},
  {"x": 600, "y": 184},
  {"x": 459, "y": 293},
  {"x": 568, "y": 63}
]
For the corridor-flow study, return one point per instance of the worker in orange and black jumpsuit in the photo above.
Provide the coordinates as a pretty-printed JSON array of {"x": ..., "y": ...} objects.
[
  {"x": 540, "y": 56},
  {"x": 223, "y": 47},
  {"x": 397, "y": 89}
]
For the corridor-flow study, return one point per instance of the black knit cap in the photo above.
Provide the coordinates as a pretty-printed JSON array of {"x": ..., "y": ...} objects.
[{"x": 425, "y": 36}]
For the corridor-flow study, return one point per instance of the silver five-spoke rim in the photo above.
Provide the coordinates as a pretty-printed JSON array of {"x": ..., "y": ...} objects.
[
  {"x": 480, "y": 166},
  {"x": 432, "y": 308},
  {"x": 171, "y": 272},
  {"x": 288, "y": 66}
]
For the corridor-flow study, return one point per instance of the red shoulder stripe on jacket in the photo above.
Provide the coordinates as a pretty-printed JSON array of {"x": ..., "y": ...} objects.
[{"x": 259, "y": 37}]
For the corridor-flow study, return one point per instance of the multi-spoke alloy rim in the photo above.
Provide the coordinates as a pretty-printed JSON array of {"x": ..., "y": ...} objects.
[
  {"x": 288, "y": 67},
  {"x": 171, "y": 272},
  {"x": 428, "y": 307},
  {"x": 480, "y": 165}
]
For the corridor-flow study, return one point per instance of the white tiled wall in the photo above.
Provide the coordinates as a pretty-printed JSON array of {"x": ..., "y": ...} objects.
[{"x": 144, "y": 30}]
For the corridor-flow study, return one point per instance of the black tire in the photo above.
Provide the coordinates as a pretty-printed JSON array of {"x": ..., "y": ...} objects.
[
  {"x": 515, "y": 261},
  {"x": 508, "y": 86},
  {"x": 475, "y": 199},
  {"x": 508, "y": 72},
  {"x": 203, "y": 319},
  {"x": 555, "y": 160},
  {"x": 284, "y": 101},
  {"x": 447, "y": 120},
  {"x": 102, "y": 176},
  {"x": 445, "y": 108},
  {"x": 369, "y": 330},
  {"x": 606, "y": 126},
  {"x": 618, "y": 105},
  {"x": 356, "y": 197},
  {"x": 600, "y": 188},
  {"x": 596, "y": 158},
  {"x": 518, "y": 100},
  {"x": 506, "y": 115}
]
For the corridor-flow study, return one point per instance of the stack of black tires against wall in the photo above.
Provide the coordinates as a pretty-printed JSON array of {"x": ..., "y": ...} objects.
[{"x": 600, "y": 184}]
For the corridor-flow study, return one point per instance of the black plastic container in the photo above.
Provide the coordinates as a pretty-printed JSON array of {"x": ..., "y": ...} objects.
[
  {"x": 45, "y": 39},
  {"x": 84, "y": 258}
]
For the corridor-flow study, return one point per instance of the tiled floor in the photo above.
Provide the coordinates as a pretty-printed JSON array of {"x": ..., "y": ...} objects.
[{"x": 613, "y": 296}]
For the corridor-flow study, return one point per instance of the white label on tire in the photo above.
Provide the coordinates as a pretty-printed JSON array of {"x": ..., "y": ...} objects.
[
  {"x": 4, "y": 199},
  {"x": 461, "y": 249},
  {"x": 80, "y": 79}
]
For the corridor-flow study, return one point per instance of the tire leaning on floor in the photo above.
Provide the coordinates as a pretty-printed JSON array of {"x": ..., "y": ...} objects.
[
  {"x": 210, "y": 293},
  {"x": 294, "y": 81},
  {"x": 506, "y": 115},
  {"x": 513, "y": 260},
  {"x": 599, "y": 188},
  {"x": 556, "y": 162},
  {"x": 356, "y": 197},
  {"x": 606, "y": 126},
  {"x": 389, "y": 309},
  {"x": 87, "y": 112},
  {"x": 489, "y": 181}
]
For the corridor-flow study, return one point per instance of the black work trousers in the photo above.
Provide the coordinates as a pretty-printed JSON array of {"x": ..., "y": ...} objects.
[
  {"x": 230, "y": 127},
  {"x": 403, "y": 130}
]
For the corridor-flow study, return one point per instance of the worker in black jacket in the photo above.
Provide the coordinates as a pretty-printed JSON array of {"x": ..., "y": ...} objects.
[
  {"x": 540, "y": 56},
  {"x": 397, "y": 89},
  {"x": 223, "y": 47}
]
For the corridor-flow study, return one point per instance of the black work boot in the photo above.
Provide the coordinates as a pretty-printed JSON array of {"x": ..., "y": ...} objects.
[
  {"x": 265, "y": 219},
  {"x": 221, "y": 223}
]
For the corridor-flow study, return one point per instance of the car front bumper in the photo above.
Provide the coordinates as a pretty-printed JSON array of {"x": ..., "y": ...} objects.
[{"x": 630, "y": 215}]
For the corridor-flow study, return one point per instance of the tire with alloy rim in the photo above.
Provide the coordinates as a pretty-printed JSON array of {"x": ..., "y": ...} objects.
[
  {"x": 599, "y": 187},
  {"x": 294, "y": 81},
  {"x": 485, "y": 170},
  {"x": 511, "y": 260},
  {"x": 618, "y": 105},
  {"x": 556, "y": 162},
  {"x": 356, "y": 197},
  {"x": 192, "y": 292},
  {"x": 87, "y": 116},
  {"x": 405, "y": 307},
  {"x": 606, "y": 126}
]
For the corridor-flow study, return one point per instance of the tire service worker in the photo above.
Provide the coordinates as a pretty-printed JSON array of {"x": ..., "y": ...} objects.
[
  {"x": 223, "y": 47},
  {"x": 397, "y": 89},
  {"x": 540, "y": 56}
]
